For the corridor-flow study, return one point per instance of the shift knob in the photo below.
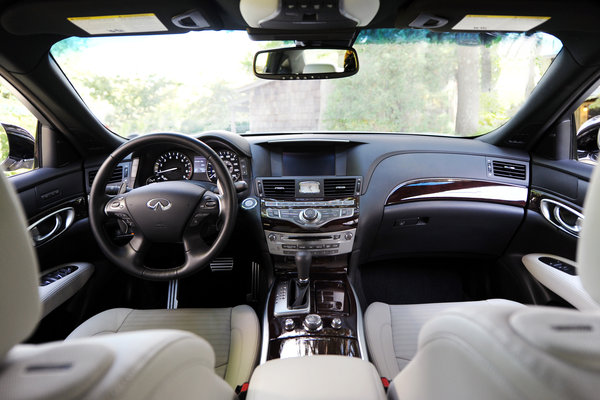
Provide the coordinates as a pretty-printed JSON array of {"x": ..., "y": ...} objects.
[{"x": 303, "y": 262}]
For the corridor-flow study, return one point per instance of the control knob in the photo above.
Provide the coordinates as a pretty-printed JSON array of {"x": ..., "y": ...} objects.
[
  {"x": 313, "y": 322},
  {"x": 289, "y": 324},
  {"x": 272, "y": 237},
  {"x": 336, "y": 323},
  {"x": 310, "y": 214}
]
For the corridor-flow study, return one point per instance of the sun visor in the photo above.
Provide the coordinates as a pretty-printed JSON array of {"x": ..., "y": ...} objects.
[
  {"x": 308, "y": 14},
  {"x": 109, "y": 17}
]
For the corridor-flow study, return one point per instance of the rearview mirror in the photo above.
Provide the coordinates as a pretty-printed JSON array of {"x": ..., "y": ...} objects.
[{"x": 305, "y": 63}]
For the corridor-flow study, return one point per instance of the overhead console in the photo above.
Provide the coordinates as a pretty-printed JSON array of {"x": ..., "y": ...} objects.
[{"x": 308, "y": 14}]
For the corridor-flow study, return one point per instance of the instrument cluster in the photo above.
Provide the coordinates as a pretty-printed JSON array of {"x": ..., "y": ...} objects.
[{"x": 176, "y": 164}]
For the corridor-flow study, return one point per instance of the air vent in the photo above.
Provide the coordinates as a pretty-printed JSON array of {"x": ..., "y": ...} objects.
[
  {"x": 116, "y": 177},
  {"x": 509, "y": 170},
  {"x": 279, "y": 188},
  {"x": 337, "y": 188}
]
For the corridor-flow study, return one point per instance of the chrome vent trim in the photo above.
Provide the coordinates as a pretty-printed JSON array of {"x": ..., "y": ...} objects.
[
  {"x": 510, "y": 170},
  {"x": 116, "y": 176},
  {"x": 279, "y": 188},
  {"x": 336, "y": 188}
]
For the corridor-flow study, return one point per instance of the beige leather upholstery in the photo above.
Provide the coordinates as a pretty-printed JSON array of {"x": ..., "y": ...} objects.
[
  {"x": 588, "y": 248},
  {"x": 316, "y": 378},
  {"x": 57, "y": 292},
  {"x": 510, "y": 352},
  {"x": 137, "y": 365},
  {"x": 392, "y": 331},
  {"x": 234, "y": 333},
  {"x": 567, "y": 286},
  {"x": 158, "y": 364},
  {"x": 504, "y": 352},
  {"x": 19, "y": 299}
]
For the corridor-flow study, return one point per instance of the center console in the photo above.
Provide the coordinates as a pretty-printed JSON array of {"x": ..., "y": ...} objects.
[{"x": 309, "y": 208}]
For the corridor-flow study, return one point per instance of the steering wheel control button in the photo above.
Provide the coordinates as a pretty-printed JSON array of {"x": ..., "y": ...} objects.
[
  {"x": 249, "y": 203},
  {"x": 289, "y": 324},
  {"x": 336, "y": 323},
  {"x": 313, "y": 323},
  {"x": 117, "y": 203}
]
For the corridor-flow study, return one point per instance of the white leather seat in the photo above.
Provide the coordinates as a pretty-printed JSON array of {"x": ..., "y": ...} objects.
[
  {"x": 496, "y": 351},
  {"x": 157, "y": 364},
  {"x": 392, "y": 331},
  {"x": 233, "y": 333}
]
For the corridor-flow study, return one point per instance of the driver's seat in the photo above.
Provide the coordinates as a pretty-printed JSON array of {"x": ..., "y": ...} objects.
[
  {"x": 234, "y": 333},
  {"x": 154, "y": 364}
]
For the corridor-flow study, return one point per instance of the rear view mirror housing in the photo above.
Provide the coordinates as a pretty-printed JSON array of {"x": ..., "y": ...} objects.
[
  {"x": 21, "y": 145},
  {"x": 294, "y": 63}
]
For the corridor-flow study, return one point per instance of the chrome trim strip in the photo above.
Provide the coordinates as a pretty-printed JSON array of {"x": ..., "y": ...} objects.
[
  {"x": 310, "y": 139},
  {"x": 264, "y": 351},
  {"x": 360, "y": 329},
  {"x": 504, "y": 192}
]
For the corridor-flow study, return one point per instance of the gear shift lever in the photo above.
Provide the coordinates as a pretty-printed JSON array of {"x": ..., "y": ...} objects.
[
  {"x": 303, "y": 261},
  {"x": 299, "y": 290}
]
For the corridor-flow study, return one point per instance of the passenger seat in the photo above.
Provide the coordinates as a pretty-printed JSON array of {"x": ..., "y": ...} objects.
[{"x": 392, "y": 331}]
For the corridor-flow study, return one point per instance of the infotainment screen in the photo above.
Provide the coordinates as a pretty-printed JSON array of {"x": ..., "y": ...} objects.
[{"x": 308, "y": 163}]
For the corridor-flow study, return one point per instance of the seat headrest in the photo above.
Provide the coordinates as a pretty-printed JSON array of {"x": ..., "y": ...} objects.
[
  {"x": 588, "y": 246},
  {"x": 19, "y": 298}
]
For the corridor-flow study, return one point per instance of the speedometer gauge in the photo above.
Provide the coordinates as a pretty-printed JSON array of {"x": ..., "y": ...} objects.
[
  {"x": 231, "y": 161},
  {"x": 172, "y": 166}
]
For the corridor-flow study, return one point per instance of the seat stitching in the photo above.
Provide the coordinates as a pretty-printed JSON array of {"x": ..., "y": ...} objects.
[{"x": 124, "y": 319}]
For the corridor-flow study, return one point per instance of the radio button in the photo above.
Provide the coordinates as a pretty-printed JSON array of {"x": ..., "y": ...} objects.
[{"x": 289, "y": 246}]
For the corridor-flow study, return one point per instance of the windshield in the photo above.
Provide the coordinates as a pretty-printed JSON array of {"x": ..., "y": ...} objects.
[{"x": 410, "y": 81}]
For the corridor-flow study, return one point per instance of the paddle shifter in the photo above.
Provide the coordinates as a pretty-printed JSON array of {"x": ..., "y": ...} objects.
[{"x": 298, "y": 297}]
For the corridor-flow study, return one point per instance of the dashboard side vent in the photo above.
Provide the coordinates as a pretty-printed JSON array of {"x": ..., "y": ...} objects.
[
  {"x": 339, "y": 187},
  {"x": 505, "y": 169},
  {"x": 116, "y": 176},
  {"x": 282, "y": 189}
]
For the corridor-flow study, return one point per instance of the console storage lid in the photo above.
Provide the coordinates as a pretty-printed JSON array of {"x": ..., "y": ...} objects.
[{"x": 316, "y": 377}]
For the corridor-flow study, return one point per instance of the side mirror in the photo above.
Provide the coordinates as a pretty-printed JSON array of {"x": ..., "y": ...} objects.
[
  {"x": 305, "y": 63},
  {"x": 21, "y": 148}
]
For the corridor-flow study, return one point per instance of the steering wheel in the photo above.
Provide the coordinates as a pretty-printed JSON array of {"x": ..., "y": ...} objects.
[{"x": 163, "y": 212}]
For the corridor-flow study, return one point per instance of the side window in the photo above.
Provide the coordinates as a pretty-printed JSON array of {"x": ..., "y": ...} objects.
[
  {"x": 587, "y": 123},
  {"x": 17, "y": 134}
]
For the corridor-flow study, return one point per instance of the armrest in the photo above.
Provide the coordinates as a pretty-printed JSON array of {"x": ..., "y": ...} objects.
[
  {"x": 555, "y": 278},
  {"x": 60, "y": 286},
  {"x": 316, "y": 377}
]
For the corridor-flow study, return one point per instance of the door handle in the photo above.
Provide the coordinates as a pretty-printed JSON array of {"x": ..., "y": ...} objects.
[
  {"x": 562, "y": 216},
  {"x": 51, "y": 225}
]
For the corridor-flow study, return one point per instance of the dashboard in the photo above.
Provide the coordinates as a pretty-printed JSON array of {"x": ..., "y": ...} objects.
[{"x": 376, "y": 196}]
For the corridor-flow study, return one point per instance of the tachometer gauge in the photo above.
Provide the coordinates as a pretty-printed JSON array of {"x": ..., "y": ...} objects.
[
  {"x": 231, "y": 161},
  {"x": 173, "y": 166}
]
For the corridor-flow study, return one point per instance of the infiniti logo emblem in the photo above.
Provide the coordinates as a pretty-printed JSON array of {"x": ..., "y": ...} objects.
[{"x": 159, "y": 204}]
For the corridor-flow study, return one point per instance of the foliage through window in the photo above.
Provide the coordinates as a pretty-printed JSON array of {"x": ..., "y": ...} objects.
[{"x": 413, "y": 81}]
